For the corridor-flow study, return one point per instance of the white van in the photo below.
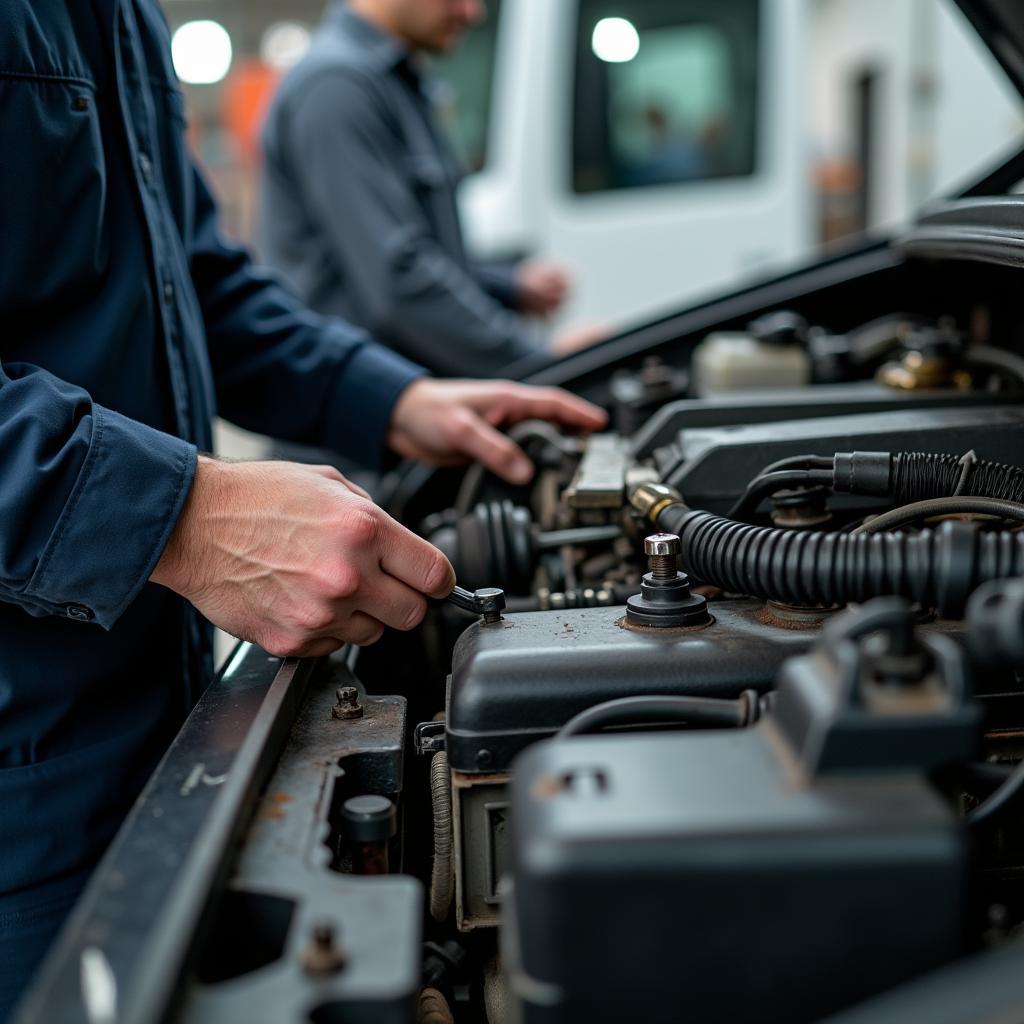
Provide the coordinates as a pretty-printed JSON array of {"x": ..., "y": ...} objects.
[
  {"x": 667, "y": 148},
  {"x": 648, "y": 144}
]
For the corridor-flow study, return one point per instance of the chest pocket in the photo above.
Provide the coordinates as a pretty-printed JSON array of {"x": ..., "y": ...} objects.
[{"x": 53, "y": 190}]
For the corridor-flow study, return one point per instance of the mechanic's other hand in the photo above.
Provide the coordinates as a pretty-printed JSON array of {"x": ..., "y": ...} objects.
[
  {"x": 297, "y": 559},
  {"x": 574, "y": 339},
  {"x": 449, "y": 422},
  {"x": 543, "y": 287}
]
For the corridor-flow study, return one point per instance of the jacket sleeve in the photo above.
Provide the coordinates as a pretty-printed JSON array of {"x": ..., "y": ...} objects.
[
  {"x": 280, "y": 369},
  {"x": 498, "y": 279},
  {"x": 339, "y": 147},
  {"x": 88, "y": 498}
]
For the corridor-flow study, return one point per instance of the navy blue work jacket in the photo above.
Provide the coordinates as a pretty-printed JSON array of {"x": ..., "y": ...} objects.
[{"x": 126, "y": 321}]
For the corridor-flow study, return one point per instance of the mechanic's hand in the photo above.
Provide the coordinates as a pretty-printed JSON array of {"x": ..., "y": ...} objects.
[
  {"x": 543, "y": 287},
  {"x": 297, "y": 559},
  {"x": 449, "y": 422},
  {"x": 574, "y": 339}
]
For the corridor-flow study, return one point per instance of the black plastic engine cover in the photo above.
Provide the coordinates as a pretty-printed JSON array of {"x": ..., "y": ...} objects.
[
  {"x": 711, "y": 466},
  {"x": 700, "y": 877},
  {"x": 520, "y": 680}
]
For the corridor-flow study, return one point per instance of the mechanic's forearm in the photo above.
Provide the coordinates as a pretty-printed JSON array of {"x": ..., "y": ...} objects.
[{"x": 296, "y": 559}]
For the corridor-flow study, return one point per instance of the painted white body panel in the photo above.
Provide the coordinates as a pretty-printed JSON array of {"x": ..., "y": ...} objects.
[{"x": 638, "y": 251}]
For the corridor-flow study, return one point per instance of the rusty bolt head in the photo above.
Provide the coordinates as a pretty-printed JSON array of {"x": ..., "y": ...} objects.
[
  {"x": 322, "y": 954},
  {"x": 661, "y": 544},
  {"x": 348, "y": 706}
]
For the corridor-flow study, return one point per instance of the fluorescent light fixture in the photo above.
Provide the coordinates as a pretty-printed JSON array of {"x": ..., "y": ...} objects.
[
  {"x": 201, "y": 51},
  {"x": 283, "y": 44},
  {"x": 615, "y": 40}
]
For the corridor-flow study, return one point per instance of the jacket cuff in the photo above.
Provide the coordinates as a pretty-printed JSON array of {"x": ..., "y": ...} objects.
[
  {"x": 117, "y": 521},
  {"x": 499, "y": 281},
  {"x": 360, "y": 412}
]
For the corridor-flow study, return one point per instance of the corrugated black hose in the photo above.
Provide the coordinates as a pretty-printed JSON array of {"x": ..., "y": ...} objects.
[
  {"x": 936, "y": 568},
  {"x": 901, "y": 477},
  {"x": 906, "y": 477}
]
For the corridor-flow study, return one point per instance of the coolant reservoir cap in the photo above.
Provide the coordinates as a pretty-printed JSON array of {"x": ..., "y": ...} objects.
[
  {"x": 369, "y": 819},
  {"x": 781, "y": 328}
]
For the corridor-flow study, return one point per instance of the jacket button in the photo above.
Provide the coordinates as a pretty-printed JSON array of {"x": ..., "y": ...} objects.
[
  {"x": 146, "y": 166},
  {"x": 79, "y": 612}
]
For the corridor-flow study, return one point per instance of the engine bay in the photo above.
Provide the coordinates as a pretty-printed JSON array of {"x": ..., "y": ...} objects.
[{"x": 743, "y": 744}]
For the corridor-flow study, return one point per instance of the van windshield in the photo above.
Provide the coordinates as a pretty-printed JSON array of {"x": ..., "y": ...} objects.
[{"x": 899, "y": 103}]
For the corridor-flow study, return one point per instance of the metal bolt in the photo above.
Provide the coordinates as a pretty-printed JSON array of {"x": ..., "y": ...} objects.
[
  {"x": 323, "y": 955},
  {"x": 662, "y": 550},
  {"x": 348, "y": 705}
]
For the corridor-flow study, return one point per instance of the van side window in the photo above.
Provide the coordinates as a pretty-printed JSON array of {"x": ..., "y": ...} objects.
[
  {"x": 665, "y": 92},
  {"x": 465, "y": 87}
]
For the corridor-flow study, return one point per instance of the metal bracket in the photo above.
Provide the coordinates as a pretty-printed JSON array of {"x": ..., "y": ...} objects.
[{"x": 428, "y": 737}]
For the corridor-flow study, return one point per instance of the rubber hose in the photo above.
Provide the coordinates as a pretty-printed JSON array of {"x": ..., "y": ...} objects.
[
  {"x": 936, "y": 568},
  {"x": 433, "y": 1008},
  {"x": 442, "y": 875},
  {"x": 496, "y": 995},
  {"x": 996, "y": 359},
  {"x": 918, "y": 510},
  {"x": 698, "y": 712},
  {"x": 916, "y": 476}
]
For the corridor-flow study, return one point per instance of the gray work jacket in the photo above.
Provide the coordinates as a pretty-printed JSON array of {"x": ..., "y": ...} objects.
[{"x": 358, "y": 207}]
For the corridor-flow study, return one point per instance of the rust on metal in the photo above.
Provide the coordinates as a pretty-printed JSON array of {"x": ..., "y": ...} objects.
[
  {"x": 348, "y": 706},
  {"x": 792, "y": 618},
  {"x": 623, "y": 623}
]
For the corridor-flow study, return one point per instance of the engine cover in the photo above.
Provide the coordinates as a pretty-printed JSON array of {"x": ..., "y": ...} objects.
[{"x": 518, "y": 681}]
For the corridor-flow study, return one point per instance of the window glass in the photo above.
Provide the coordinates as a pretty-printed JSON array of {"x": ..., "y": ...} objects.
[
  {"x": 665, "y": 92},
  {"x": 465, "y": 86}
]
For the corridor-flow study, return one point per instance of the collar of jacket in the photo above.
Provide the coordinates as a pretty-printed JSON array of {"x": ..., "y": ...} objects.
[{"x": 378, "y": 49}]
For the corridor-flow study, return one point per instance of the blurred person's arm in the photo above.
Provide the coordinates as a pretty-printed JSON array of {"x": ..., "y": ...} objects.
[
  {"x": 538, "y": 287},
  {"x": 347, "y": 161},
  {"x": 498, "y": 279}
]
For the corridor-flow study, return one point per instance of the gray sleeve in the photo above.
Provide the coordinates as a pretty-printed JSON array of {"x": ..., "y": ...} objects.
[
  {"x": 498, "y": 279},
  {"x": 349, "y": 164}
]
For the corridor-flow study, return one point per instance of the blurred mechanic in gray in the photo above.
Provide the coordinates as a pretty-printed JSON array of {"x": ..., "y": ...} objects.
[{"x": 358, "y": 205}]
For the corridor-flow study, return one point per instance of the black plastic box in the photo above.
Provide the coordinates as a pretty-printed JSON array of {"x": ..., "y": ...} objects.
[{"x": 700, "y": 877}]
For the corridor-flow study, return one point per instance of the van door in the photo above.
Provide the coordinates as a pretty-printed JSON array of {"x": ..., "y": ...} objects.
[
  {"x": 655, "y": 146},
  {"x": 681, "y": 164}
]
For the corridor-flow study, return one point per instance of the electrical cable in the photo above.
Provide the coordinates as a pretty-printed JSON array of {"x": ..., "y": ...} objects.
[
  {"x": 798, "y": 462},
  {"x": 696, "y": 712},
  {"x": 768, "y": 483},
  {"x": 999, "y": 359},
  {"x": 896, "y": 518},
  {"x": 1004, "y": 797}
]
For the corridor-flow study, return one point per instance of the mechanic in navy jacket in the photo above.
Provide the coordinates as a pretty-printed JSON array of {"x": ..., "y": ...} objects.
[{"x": 126, "y": 322}]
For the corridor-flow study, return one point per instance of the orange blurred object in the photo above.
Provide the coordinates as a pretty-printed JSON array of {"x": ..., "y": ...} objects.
[{"x": 247, "y": 94}]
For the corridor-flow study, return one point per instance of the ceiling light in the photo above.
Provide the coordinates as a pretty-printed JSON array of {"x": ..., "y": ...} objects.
[
  {"x": 615, "y": 40},
  {"x": 201, "y": 51}
]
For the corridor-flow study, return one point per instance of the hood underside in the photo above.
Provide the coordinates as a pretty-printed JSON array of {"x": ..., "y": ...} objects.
[{"x": 1000, "y": 23}]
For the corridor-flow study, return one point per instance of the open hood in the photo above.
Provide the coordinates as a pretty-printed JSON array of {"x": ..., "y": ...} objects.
[{"x": 1001, "y": 24}]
